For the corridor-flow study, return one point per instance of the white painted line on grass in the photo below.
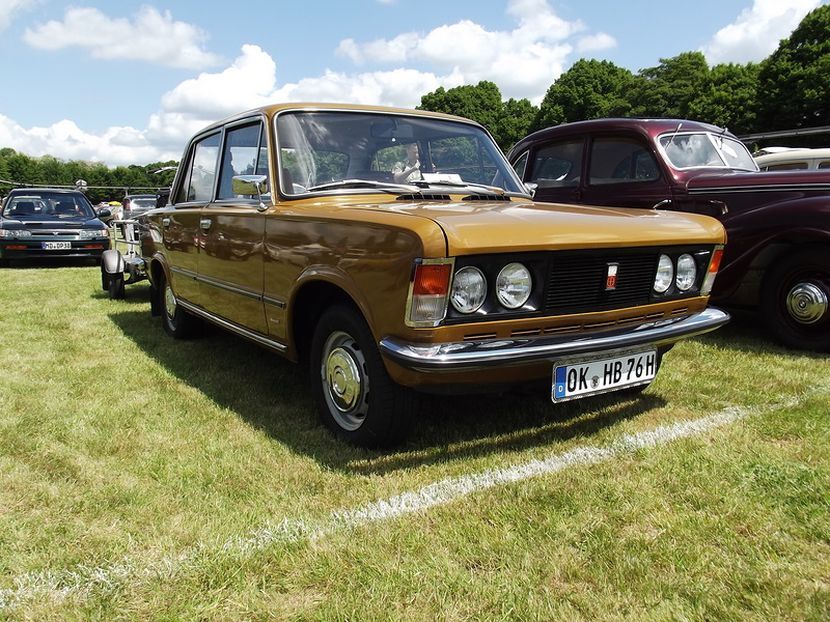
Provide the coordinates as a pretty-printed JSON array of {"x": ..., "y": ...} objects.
[{"x": 84, "y": 580}]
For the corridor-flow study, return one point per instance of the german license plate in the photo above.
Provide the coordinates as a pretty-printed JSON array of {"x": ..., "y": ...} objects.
[
  {"x": 589, "y": 377},
  {"x": 57, "y": 246}
]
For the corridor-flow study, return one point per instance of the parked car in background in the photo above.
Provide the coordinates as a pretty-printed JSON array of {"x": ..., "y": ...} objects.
[
  {"x": 286, "y": 226},
  {"x": 136, "y": 204},
  {"x": 789, "y": 159},
  {"x": 778, "y": 224},
  {"x": 45, "y": 222}
]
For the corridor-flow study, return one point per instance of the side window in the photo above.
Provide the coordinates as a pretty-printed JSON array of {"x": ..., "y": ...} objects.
[
  {"x": 619, "y": 161},
  {"x": 197, "y": 184},
  {"x": 788, "y": 166},
  {"x": 521, "y": 165},
  {"x": 558, "y": 165},
  {"x": 240, "y": 156}
]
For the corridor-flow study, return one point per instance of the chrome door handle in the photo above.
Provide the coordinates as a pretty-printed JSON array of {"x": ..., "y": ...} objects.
[
  {"x": 165, "y": 222},
  {"x": 205, "y": 223}
]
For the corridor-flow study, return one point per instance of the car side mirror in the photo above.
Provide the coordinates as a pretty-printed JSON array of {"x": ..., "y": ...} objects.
[
  {"x": 250, "y": 185},
  {"x": 104, "y": 213},
  {"x": 531, "y": 188}
]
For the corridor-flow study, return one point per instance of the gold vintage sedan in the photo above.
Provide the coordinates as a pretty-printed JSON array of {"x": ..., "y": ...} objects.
[{"x": 394, "y": 251}]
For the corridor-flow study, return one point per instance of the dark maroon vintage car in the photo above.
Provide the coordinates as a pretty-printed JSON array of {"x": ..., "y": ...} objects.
[{"x": 777, "y": 258}]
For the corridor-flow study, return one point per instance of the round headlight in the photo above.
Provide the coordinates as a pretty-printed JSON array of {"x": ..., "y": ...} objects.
[
  {"x": 469, "y": 288},
  {"x": 686, "y": 272},
  {"x": 513, "y": 285},
  {"x": 665, "y": 274}
]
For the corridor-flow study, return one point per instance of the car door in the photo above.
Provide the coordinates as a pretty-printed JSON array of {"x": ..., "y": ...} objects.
[
  {"x": 623, "y": 171},
  {"x": 181, "y": 233},
  {"x": 555, "y": 168},
  {"x": 232, "y": 232}
]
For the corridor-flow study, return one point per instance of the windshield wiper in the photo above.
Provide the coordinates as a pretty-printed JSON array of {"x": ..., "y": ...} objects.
[
  {"x": 363, "y": 183},
  {"x": 456, "y": 184}
]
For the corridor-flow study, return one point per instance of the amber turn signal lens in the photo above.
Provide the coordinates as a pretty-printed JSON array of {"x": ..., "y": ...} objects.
[{"x": 432, "y": 280}]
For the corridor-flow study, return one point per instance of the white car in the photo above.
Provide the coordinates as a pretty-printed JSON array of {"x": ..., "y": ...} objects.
[{"x": 793, "y": 159}]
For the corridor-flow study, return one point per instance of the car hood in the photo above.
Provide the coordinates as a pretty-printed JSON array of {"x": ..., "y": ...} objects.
[
  {"x": 763, "y": 180},
  {"x": 52, "y": 223},
  {"x": 497, "y": 226}
]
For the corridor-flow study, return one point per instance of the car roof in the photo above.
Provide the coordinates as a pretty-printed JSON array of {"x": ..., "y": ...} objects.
[
  {"x": 791, "y": 155},
  {"x": 45, "y": 189},
  {"x": 650, "y": 127},
  {"x": 274, "y": 109}
]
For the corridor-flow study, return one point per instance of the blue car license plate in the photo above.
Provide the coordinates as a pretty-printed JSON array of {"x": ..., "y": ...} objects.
[{"x": 589, "y": 377}]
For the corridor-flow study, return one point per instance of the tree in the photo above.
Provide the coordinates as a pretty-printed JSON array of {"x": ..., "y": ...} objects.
[
  {"x": 590, "y": 89},
  {"x": 507, "y": 121},
  {"x": 670, "y": 88},
  {"x": 793, "y": 85},
  {"x": 730, "y": 98}
]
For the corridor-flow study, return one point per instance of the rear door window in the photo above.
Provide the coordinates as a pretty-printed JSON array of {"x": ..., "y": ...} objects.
[{"x": 200, "y": 175}]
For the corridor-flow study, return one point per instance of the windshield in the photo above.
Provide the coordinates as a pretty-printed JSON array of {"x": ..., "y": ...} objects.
[
  {"x": 705, "y": 149},
  {"x": 143, "y": 203},
  {"x": 376, "y": 152},
  {"x": 48, "y": 205}
]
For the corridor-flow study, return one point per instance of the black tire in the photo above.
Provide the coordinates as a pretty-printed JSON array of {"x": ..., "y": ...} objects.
[
  {"x": 115, "y": 287},
  {"x": 105, "y": 280},
  {"x": 177, "y": 322},
  {"x": 794, "y": 299},
  {"x": 355, "y": 396}
]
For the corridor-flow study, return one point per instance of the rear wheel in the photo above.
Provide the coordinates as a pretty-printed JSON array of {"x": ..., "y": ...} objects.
[
  {"x": 355, "y": 396},
  {"x": 177, "y": 322},
  {"x": 796, "y": 300}
]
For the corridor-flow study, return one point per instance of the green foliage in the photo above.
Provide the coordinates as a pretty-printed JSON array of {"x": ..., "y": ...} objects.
[
  {"x": 670, "y": 88},
  {"x": 793, "y": 81},
  {"x": 729, "y": 98},
  {"x": 507, "y": 121},
  {"x": 49, "y": 171},
  {"x": 590, "y": 89}
]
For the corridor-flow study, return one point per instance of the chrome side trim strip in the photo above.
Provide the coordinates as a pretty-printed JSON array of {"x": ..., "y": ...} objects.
[
  {"x": 229, "y": 288},
  {"x": 188, "y": 273},
  {"x": 274, "y": 302},
  {"x": 761, "y": 188},
  {"x": 244, "y": 332},
  {"x": 471, "y": 355}
]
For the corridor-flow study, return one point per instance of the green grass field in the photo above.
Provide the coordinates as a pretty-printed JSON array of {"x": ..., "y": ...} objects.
[{"x": 142, "y": 478}]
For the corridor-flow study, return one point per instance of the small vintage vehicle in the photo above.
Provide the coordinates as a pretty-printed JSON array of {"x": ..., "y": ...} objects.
[
  {"x": 778, "y": 256},
  {"x": 286, "y": 225},
  {"x": 38, "y": 223}
]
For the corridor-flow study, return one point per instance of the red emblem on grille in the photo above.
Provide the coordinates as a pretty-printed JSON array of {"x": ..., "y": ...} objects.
[{"x": 611, "y": 277}]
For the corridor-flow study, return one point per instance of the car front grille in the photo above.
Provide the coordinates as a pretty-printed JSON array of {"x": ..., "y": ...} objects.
[{"x": 577, "y": 280}]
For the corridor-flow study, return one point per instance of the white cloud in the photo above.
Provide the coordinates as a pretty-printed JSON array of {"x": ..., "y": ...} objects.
[
  {"x": 65, "y": 140},
  {"x": 149, "y": 36},
  {"x": 595, "y": 43},
  {"x": 756, "y": 32},
  {"x": 523, "y": 61},
  {"x": 8, "y": 9}
]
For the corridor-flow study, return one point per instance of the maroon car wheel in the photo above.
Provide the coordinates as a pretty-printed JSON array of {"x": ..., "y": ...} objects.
[{"x": 796, "y": 300}]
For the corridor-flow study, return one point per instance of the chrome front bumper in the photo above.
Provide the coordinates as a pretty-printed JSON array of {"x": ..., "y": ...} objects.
[{"x": 472, "y": 355}]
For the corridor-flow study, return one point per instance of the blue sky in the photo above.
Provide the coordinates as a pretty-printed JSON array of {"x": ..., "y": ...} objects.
[{"x": 128, "y": 82}]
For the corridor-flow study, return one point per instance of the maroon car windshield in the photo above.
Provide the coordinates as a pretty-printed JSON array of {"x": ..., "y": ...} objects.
[{"x": 706, "y": 149}]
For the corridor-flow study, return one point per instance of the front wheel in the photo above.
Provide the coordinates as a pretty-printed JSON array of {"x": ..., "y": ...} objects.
[
  {"x": 796, "y": 300},
  {"x": 355, "y": 396},
  {"x": 115, "y": 286},
  {"x": 177, "y": 322}
]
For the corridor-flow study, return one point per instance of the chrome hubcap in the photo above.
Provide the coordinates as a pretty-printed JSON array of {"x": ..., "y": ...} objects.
[
  {"x": 807, "y": 303},
  {"x": 345, "y": 385},
  {"x": 169, "y": 302}
]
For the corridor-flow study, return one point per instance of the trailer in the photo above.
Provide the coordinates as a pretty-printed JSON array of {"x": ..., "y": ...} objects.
[{"x": 122, "y": 264}]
